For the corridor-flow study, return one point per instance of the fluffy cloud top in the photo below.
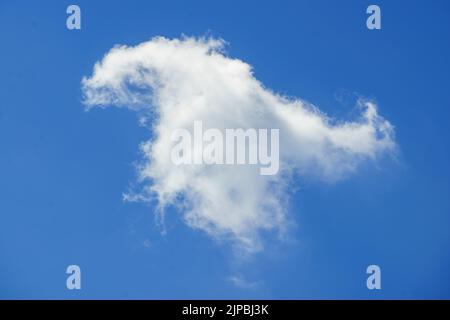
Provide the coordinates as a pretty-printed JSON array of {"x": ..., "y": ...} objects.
[{"x": 176, "y": 82}]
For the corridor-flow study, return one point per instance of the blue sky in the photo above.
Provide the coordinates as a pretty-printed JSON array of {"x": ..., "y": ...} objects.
[{"x": 63, "y": 170}]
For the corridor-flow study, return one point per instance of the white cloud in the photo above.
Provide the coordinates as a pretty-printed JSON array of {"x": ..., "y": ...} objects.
[
  {"x": 175, "y": 82},
  {"x": 239, "y": 281}
]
